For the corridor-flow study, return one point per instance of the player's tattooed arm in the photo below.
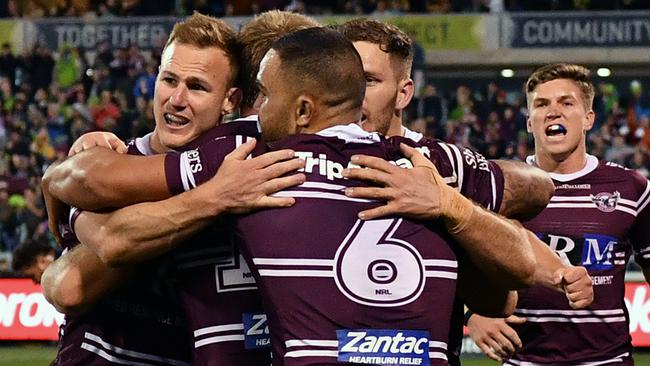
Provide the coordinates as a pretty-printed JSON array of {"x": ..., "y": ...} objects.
[
  {"x": 100, "y": 178},
  {"x": 78, "y": 279},
  {"x": 526, "y": 192}
]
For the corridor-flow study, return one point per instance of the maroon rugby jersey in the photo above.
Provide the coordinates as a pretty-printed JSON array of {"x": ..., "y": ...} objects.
[
  {"x": 489, "y": 195},
  {"x": 216, "y": 288},
  {"x": 139, "y": 324},
  {"x": 597, "y": 218},
  {"x": 341, "y": 288}
]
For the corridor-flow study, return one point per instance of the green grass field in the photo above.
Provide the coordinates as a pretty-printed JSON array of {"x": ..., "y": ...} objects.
[{"x": 39, "y": 355}]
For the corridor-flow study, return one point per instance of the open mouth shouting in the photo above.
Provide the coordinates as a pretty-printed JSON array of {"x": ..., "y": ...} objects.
[{"x": 555, "y": 130}]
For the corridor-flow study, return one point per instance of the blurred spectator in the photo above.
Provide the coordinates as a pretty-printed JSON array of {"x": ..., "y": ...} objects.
[
  {"x": 640, "y": 162},
  {"x": 432, "y": 109},
  {"x": 145, "y": 84},
  {"x": 68, "y": 68},
  {"x": 32, "y": 257},
  {"x": 8, "y": 62},
  {"x": 112, "y": 8},
  {"x": 106, "y": 112},
  {"x": 619, "y": 151},
  {"x": 39, "y": 65}
]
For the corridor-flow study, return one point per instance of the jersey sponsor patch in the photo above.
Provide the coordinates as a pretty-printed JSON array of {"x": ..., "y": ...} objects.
[
  {"x": 593, "y": 251},
  {"x": 383, "y": 346},
  {"x": 256, "y": 331}
]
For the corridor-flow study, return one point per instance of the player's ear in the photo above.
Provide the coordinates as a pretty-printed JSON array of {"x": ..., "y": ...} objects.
[
  {"x": 405, "y": 92},
  {"x": 529, "y": 125},
  {"x": 304, "y": 111},
  {"x": 589, "y": 121},
  {"x": 232, "y": 100}
]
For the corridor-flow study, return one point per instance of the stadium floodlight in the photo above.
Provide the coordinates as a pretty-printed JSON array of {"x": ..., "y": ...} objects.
[
  {"x": 507, "y": 73},
  {"x": 603, "y": 72}
]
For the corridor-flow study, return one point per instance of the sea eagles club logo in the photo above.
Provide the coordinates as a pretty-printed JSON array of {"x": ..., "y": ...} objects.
[{"x": 606, "y": 201}]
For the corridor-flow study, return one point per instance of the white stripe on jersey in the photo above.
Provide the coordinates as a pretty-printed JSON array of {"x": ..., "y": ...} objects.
[
  {"x": 493, "y": 182},
  {"x": 454, "y": 164},
  {"x": 311, "y": 353},
  {"x": 329, "y": 270},
  {"x": 219, "y": 339},
  {"x": 321, "y": 185},
  {"x": 295, "y": 273},
  {"x": 441, "y": 274},
  {"x": 295, "y": 261},
  {"x": 559, "y": 319},
  {"x": 576, "y": 199},
  {"x": 310, "y": 342},
  {"x": 123, "y": 352},
  {"x": 569, "y": 312},
  {"x": 234, "y": 333},
  {"x": 218, "y": 329},
  {"x": 645, "y": 197},
  {"x": 330, "y": 273},
  {"x": 187, "y": 177},
  {"x": 589, "y": 205},
  {"x": 436, "y": 344},
  {"x": 438, "y": 355},
  {"x": 459, "y": 161},
  {"x": 440, "y": 263},
  {"x": 321, "y": 195},
  {"x": 112, "y": 359},
  {"x": 351, "y": 133},
  {"x": 616, "y": 359}
]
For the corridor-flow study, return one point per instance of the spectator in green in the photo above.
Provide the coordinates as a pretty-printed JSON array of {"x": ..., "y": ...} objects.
[{"x": 67, "y": 69}]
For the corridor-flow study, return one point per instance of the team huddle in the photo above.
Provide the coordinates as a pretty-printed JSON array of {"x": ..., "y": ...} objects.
[{"x": 317, "y": 230}]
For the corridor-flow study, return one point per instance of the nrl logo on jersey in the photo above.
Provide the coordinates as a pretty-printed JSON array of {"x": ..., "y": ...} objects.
[{"x": 606, "y": 201}]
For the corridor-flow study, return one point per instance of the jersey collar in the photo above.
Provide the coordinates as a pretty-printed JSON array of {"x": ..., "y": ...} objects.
[
  {"x": 590, "y": 166},
  {"x": 350, "y": 133}
]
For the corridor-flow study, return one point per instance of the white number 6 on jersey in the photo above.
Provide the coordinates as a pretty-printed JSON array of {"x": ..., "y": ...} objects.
[{"x": 373, "y": 268}]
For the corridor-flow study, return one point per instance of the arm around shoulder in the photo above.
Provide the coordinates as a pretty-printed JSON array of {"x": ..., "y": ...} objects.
[{"x": 99, "y": 177}]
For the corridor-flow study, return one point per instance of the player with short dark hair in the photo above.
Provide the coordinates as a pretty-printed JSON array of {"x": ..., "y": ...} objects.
[
  {"x": 32, "y": 257},
  {"x": 598, "y": 216},
  {"x": 316, "y": 289}
]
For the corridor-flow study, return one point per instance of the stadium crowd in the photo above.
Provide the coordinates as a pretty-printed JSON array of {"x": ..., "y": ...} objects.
[
  {"x": 49, "y": 99},
  {"x": 109, "y": 8}
]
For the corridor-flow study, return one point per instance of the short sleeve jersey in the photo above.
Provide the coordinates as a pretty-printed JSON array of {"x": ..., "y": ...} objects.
[
  {"x": 139, "y": 324},
  {"x": 333, "y": 284},
  {"x": 597, "y": 218}
]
